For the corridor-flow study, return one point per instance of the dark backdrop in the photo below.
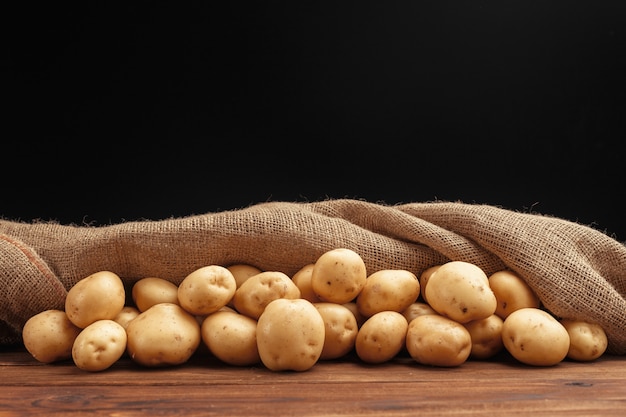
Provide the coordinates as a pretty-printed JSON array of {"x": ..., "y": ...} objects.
[{"x": 151, "y": 110}]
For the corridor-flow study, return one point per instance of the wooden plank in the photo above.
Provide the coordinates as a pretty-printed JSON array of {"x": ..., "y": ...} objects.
[{"x": 402, "y": 387}]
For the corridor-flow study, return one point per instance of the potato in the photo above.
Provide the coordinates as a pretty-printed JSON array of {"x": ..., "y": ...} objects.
[
  {"x": 206, "y": 290},
  {"x": 588, "y": 341},
  {"x": 98, "y": 296},
  {"x": 152, "y": 290},
  {"x": 163, "y": 335},
  {"x": 512, "y": 293},
  {"x": 251, "y": 298},
  {"x": 460, "y": 290},
  {"x": 381, "y": 337},
  {"x": 99, "y": 345},
  {"x": 338, "y": 276},
  {"x": 49, "y": 335},
  {"x": 388, "y": 289},
  {"x": 242, "y": 272},
  {"x": 416, "y": 309},
  {"x": 290, "y": 335},
  {"x": 534, "y": 337},
  {"x": 341, "y": 329},
  {"x": 231, "y": 337},
  {"x": 125, "y": 316},
  {"x": 436, "y": 340},
  {"x": 486, "y": 337},
  {"x": 423, "y": 279},
  {"x": 360, "y": 318},
  {"x": 302, "y": 279}
]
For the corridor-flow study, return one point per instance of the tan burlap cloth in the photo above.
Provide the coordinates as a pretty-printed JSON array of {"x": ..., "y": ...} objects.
[{"x": 577, "y": 271}]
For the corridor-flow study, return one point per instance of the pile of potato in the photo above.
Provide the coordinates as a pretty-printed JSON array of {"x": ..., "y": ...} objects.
[{"x": 328, "y": 309}]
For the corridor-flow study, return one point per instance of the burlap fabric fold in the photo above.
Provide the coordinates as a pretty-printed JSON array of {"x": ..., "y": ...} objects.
[{"x": 577, "y": 271}]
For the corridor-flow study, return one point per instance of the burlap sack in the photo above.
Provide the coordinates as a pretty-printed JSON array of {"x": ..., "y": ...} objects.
[{"x": 578, "y": 272}]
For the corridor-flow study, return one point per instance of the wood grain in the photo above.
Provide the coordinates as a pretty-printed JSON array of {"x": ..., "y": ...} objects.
[{"x": 206, "y": 387}]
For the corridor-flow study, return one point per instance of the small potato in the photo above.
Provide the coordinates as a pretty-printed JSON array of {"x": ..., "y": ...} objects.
[
  {"x": 206, "y": 290},
  {"x": 588, "y": 341},
  {"x": 49, "y": 335},
  {"x": 381, "y": 337},
  {"x": 99, "y": 345},
  {"x": 152, "y": 290},
  {"x": 290, "y": 335},
  {"x": 460, "y": 290},
  {"x": 126, "y": 315},
  {"x": 341, "y": 329},
  {"x": 388, "y": 290},
  {"x": 436, "y": 340},
  {"x": 338, "y": 276},
  {"x": 360, "y": 318},
  {"x": 534, "y": 337},
  {"x": 512, "y": 293},
  {"x": 423, "y": 279},
  {"x": 165, "y": 334},
  {"x": 486, "y": 337},
  {"x": 231, "y": 337},
  {"x": 98, "y": 296},
  {"x": 416, "y": 309},
  {"x": 242, "y": 272},
  {"x": 302, "y": 279},
  {"x": 251, "y": 298}
]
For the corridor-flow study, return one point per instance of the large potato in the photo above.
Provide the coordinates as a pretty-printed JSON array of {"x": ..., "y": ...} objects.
[
  {"x": 165, "y": 334},
  {"x": 534, "y": 337},
  {"x": 149, "y": 291},
  {"x": 290, "y": 335},
  {"x": 388, "y": 289},
  {"x": 341, "y": 329},
  {"x": 588, "y": 341},
  {"x": 99, "y": 345},
  {"x": 381, "y": 337},
  {"x": 436, "y": 340},
  {"x": 260, "y": 289},
  {"x": 206, "y": 290},
  {"x": 231, "y": 337},
  {"x": 98, "y": 296},
  {"x": 338, "y": 276},
  {"x": 49, "y": 336},
  {"x": 460, "y": 290},
  {"x": 512, "y": 293}
]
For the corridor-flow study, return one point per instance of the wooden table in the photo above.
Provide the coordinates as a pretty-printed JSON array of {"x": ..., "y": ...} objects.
[{"x": 205, "y": 387}]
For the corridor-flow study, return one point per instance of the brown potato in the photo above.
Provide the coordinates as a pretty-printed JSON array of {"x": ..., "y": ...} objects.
[
  {"x": 381, "y": 337},
  {"x": 512, "y": 293},
  {"x": 588, "y": 341},
  {"x": 486, "y": 336},
  {"x": 49, "y": 335},
  {"x": 388, "y": 290},
  {"x": 259, "y": 290},
  {"x": 436, "y": 340},
  {"x": 206, "y": 290},
  {"x": 98, "y": 296},
  {"x": 99, "y": 345},
  {"x": 338, "y": 276},
  {"x": 231, "y": 337},
  {"x": 302, "y": 279},
  {"x": 341, "y": 329},
  {"x": 152, "y": 290},
  {"x": 290, "y": 335}
]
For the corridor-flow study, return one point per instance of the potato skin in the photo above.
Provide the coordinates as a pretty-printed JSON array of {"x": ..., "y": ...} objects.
[
  {"x": 149, "y": 291},
  {"x": 438, "y": 341},
  {"x": 98, "y": 296},
  {"x": 588, "y": 341},
  {"x": 99, "y": 345},
  {"x": 206, "y": 290},
  {"x": 535, "y": 337},
  {"x": 341, "y": 329},
  {"x": 165, "y": 334},
  {"x": 49, "y": 336},
  {"x": 460, "y": 290},
  {"x": 338, "y": 276},
  {"x": 256, "y": 292},
  {"x": 512, "y": 293},
  {"x": 231, "y": 337},
  {"x": 290, "y": 335},
  {"x": 381, "y": 337},
  {"x": 388, "y": 289}
]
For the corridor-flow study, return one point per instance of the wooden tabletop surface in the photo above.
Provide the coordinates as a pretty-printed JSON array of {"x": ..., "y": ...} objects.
[{"x": 205, "y": 387}]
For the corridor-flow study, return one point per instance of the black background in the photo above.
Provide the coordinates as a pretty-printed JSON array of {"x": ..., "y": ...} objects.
[{"x": 123, "y": 111}]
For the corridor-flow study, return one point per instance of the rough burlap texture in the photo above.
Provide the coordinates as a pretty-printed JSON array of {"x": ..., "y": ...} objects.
[{"x": 577, "y": 271}]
